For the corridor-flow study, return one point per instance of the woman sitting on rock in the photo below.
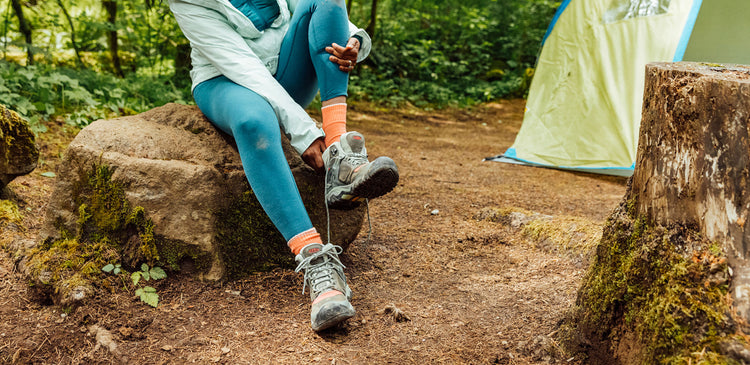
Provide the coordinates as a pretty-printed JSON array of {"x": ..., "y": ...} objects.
[{"x": 256, "y": 64}]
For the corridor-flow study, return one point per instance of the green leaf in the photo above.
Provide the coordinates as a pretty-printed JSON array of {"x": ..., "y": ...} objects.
[
  {"x": 116, "y": 271},
  {"x": 146, "y": 275},
  {"x": 157, "y": 273},
  {"x": 108, "y": 268},
  {"x": 48, "y": 174},
  {"x": 136, "y": 277},
  {"x": 148, "y": 295},
  {"x": 144, "y": 267}
]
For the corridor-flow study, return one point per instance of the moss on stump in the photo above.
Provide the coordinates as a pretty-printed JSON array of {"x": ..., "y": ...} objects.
[{"x": 654, "y": 294}]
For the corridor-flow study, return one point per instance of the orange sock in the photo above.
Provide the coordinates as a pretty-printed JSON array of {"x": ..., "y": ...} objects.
[
  {"x": 334, "y": 122},
  {"x": 298, "y": 242}
]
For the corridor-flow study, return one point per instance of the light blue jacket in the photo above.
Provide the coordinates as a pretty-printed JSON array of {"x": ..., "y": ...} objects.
[{"x": 225, "y": 42}]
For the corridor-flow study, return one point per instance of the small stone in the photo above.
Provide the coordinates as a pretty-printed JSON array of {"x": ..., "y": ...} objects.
[
  {"x": 435, "y": 212},
  {"x": 225, "y": 350},
  {"x": 167, "y": 348}
]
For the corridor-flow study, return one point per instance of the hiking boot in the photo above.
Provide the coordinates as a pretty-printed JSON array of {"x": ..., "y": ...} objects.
[
  {"x": 330, "y": 294},
  {"x": 351, "y": 178}
]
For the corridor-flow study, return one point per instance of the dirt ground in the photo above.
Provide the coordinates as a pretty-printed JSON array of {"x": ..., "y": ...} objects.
[{"x": 434, "y": 284}]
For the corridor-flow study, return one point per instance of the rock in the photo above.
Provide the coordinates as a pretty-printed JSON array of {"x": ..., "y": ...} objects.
[
  {"x": 18, "y": 151},
  {"x": 169, "y": 188}
]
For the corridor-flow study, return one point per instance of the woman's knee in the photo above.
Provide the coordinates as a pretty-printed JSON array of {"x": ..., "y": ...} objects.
[{"x": 259, "y": 133}]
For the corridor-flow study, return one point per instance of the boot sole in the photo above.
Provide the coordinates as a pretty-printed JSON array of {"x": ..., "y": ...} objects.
[
  {"x": 333, "y": 321},
  {"x": 382, "y": 178}
]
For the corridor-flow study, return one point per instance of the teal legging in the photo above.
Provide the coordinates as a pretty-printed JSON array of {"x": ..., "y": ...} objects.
[{"x": 242, "y": 113}]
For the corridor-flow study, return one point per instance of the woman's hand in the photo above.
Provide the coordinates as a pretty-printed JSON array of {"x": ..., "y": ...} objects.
[
  {"x": 345, "y": 57},
  {"x": 313, "y": 155}
]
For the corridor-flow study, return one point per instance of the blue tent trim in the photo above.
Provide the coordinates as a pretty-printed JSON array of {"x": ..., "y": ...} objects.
[
  {"x": 510, "y": 156},
  {"x": 687, "y": 30},
  {"x": 558, "y": 13}
]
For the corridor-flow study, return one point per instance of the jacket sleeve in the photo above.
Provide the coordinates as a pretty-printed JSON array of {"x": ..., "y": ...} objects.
[
  {"x": 226, "y": 50},
  {"x": 366, "y": 43}
]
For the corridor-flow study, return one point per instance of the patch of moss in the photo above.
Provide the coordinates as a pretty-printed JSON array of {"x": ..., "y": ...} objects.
[
  {"x": 665, "y": 287},
  {"x": 248, "y": 241},
  {"x": 9, "y": 212},
  {"x": 569, "y": 234},
  {"x": 177, "y": 255},
  {"x": 66, "y": 264},
  {"x": 104, "y": 200}
]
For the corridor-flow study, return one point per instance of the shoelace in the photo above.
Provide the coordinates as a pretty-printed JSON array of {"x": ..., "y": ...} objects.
[{"x": 321, "y": 274}]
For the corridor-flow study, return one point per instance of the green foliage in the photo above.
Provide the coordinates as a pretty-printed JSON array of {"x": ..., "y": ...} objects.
[
  {"x": 42, "y": 92},
  {"x": 478, "y": 51},
  {"x": 114, "y": 269},
  {"x": 147, "y": 274},
  {"x": 146, "y": 294}
]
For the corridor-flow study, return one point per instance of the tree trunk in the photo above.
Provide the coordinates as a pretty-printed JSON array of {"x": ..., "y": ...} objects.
[
  {"x": 349, "y": 6},
  {"x": 111, "y": 8},
  {"x": 25, "y": 29},
  {"x": 182, "y": 65},
  {"x": 79, "y": 61},
  {"x": 670, "y": 282},
  {"x": 370, "y": 29}
]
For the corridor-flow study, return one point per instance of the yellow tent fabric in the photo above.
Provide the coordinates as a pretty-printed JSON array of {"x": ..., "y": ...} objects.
[{"x": 584, "y": 106}]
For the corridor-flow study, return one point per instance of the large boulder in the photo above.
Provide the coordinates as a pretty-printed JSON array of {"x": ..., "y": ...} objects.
[
  {"x": 168, "y": 189},
  {"x": 18, "y": 152}
]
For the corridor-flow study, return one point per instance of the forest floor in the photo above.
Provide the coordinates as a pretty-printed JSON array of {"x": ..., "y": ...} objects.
[{"x": 448, "y": 275}]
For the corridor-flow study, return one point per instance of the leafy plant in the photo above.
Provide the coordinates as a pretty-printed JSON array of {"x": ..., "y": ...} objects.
[
  {"x": 114, "y": 269},
  {"x": 146, "y": 294},
  {"x": 80, "y": 96}
]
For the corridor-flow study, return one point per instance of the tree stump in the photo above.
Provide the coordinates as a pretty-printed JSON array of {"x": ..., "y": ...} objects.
[
  {"x": 165, "y": 188},
  {"x": 670, "y": 282}
]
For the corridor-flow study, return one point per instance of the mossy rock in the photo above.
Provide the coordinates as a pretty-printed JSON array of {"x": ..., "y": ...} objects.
[
  {"x": 166, "y": 188},
  {"x": 18, "y": 151}
]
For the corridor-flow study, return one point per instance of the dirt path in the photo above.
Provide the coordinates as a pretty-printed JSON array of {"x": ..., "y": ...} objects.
[{"x": 474, "y": 291}]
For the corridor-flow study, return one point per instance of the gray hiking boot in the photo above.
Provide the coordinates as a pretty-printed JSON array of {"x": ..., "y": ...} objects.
[
  {"x": 351, "y": 178},
  {"x": 330, "y": 294}
]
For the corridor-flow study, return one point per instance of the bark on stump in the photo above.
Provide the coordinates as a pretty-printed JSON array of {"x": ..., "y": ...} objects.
[
  {"x": 167, "y": 188},
  {"x": 670, "y": 282}
]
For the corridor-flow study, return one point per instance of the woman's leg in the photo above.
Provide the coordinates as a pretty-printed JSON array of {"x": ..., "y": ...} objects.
[
  {"x": 303, "y": 62},
  {"x": 252, "y": 122}
]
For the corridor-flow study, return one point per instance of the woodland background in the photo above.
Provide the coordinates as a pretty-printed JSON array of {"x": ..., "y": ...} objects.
[{"x": 88, "y": 59}]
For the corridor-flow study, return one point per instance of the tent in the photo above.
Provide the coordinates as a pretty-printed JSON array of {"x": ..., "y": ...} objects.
[{"x": 584, "y": 105}]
